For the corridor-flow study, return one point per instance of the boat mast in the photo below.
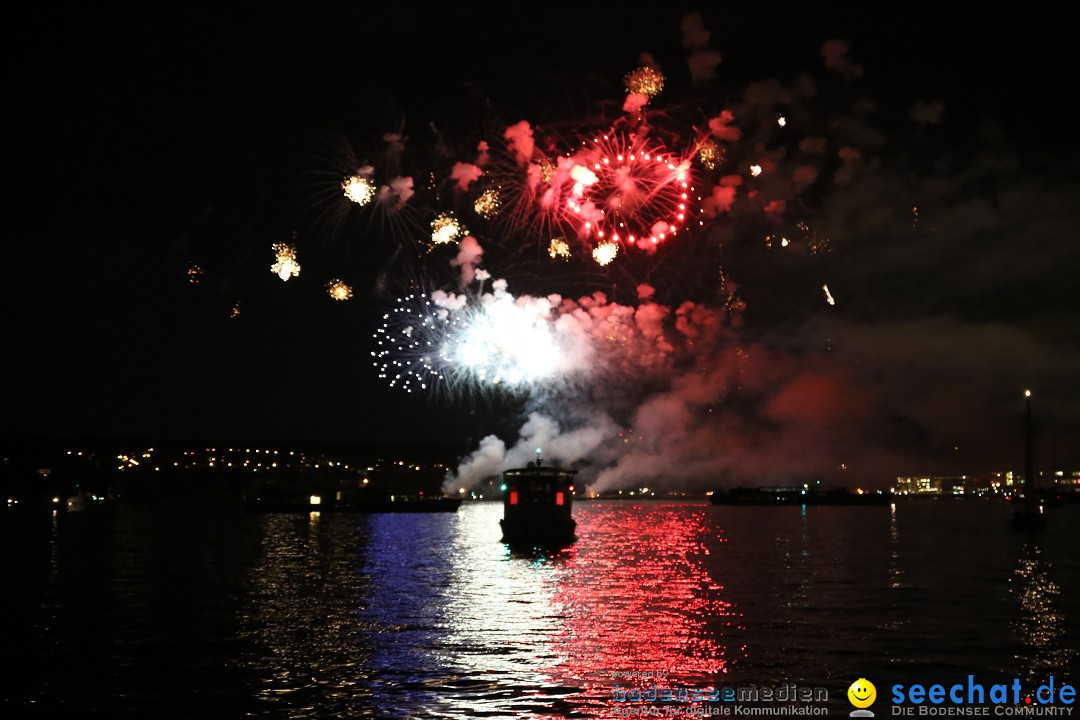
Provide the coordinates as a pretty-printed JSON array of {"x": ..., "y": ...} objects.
[{"x": 1029, "y": 448}]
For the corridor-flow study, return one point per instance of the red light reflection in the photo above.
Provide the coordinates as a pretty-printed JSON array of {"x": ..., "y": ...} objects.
[{"x": 637, "y": 597}]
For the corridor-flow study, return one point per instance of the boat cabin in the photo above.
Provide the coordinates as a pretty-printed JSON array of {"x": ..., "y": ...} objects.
[{"x": 538, "y": 503}]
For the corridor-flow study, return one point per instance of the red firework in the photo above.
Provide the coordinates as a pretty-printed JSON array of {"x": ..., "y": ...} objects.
[{"x": 622, "y": 188}]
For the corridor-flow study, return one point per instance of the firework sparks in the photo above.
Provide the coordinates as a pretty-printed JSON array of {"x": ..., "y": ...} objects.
[
  {"x": 815, "y": 241},
  {"x": 559, "y": 248},
  {"x": 194, "y": 274},
  {"x": 781, "y": 120},
  {"x": 487, "y": 204},
  {"x": 235, "y": 312},
  {"x": 448, "y": 340},
  {"x": 734, "y": 303},
  {"x": 446, "y": 229},
  {"x": 755, "y": 170},
  {"x": 286, "y": 265},
  {"x": 645, "y": 81},
  {"x": 604, "y": 253},
  {"x": 828, "y": 295},
  {"x": 339, "y": 290},
  {"x": 709, "y": 154},
  {"x": 503, "y": 342},
  {"x": 409, "y": 343},
  {"x": 622, "y": 189},
  {"x": 359, "y": 189},
  {"x": 547, "y": 167}
]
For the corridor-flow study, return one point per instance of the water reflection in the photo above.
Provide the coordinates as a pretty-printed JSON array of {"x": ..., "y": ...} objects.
[
  {"x": 896, "y": 572},
  {"x": 637, "y": 595},
  {"x": 462, "y": 625},
  {"x": 1041, "y": 622},
  {"x": 168, "y": 614},
  {"x": 307, "y": 648}
]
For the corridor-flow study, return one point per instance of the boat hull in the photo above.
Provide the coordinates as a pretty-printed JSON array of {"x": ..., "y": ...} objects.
[
  {"x": 1029, "y": 517},
  {"x": 538, "y": 532},
  {"x": 538, "y": 506}
]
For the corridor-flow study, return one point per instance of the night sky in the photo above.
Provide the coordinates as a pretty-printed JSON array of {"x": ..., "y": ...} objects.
[{"x": 149, "y": 139}]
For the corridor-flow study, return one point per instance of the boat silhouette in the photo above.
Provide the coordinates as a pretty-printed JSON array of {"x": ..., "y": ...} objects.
[
  {"x": 538, "y": 503},
  {"x": 1029, "y": 515}
]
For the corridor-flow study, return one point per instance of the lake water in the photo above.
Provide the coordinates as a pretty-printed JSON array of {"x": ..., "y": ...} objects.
[{"x": 188, "y": 612}]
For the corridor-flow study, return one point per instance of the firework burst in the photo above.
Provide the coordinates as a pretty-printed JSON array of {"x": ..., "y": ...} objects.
[
  {"x": 446, "y": 343},
  {"x": 710, "y": 154},
  {"x": 620, "y": 188},
  {"x": 487, "y": 204},
  {"x": 409, "y": 345},
  {"x": 605, "y": 253},
  {"x": 645, "y": 81},
  {"x": 285, "y": 266},
  {"x": 505, "y": 343},
  {"x": 339, "y": 290},
  {"x": 359, "y": 189},
  {"x": 446, "y": 228},
  {"x": 559, "y": 248}
]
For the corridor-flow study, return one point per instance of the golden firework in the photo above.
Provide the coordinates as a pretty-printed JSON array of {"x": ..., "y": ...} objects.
[
  {"x": 194, "y": 274},
  {"x": 487, "y": 204},
  {"x": 358, "y": 189},
  {"x": 709, "y": 154},
  {"x": 339, "y": 290},
  {"x": 604, "y": 253},
  {"x": 445, "y": 228},
  {"x": 547, "y": 168},
  {"x": 559, "y": 248},
  {"x": 286, "y": 265},
  {"x": 645, "y": 81},
  {"x": 815, "y": 241}
]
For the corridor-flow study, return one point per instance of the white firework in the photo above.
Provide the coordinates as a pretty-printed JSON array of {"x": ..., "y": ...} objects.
[{"x": 410, "y": 343}]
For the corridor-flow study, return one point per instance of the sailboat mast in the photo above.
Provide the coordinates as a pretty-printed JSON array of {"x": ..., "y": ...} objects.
[{"x": 1029, "y": 447}]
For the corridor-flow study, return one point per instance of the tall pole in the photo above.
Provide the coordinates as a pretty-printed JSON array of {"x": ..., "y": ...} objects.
[{"x": 1029, "y": 448}]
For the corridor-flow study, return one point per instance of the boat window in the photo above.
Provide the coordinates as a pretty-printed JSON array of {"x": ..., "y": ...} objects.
[{"x": 558, "y": 498}]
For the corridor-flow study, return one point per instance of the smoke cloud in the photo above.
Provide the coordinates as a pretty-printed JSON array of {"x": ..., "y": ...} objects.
[{"x": 519, "y": 138}]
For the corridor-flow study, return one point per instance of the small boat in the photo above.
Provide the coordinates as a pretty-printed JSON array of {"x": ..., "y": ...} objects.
[
  {"x": 1030, "y": 512},
  {"x": 1030, "y": 516},
  {"x": 84, "y": 501},
  {"x": 538, "y": 505},
  {"x": 79, "y": 502}
]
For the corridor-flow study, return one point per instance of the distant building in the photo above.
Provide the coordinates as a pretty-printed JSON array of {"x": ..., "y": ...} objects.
[
  {"x": 1066, "y": 479},
  {"x": 1004, "y": 482},
  {"x": 943, "y": 485},
  {"x": 917, "y": 486}
]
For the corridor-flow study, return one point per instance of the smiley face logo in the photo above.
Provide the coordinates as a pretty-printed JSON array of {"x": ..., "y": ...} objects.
[{"x": 862, "y": 693}]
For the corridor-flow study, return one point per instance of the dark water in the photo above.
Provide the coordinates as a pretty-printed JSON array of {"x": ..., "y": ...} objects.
[{"x": 187, "y": 612}]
